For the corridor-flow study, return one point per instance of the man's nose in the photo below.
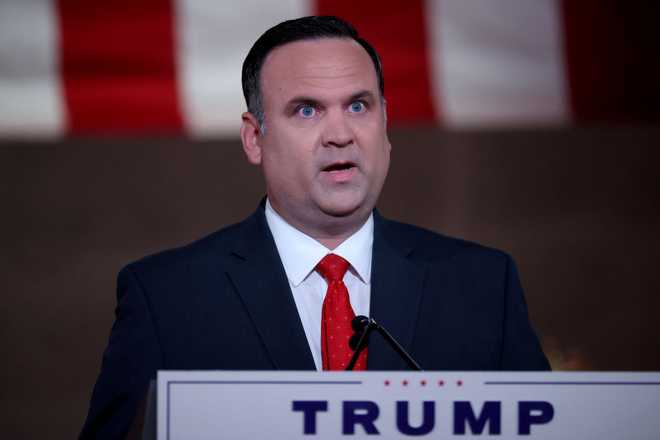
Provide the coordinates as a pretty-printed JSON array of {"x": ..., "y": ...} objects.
[{"x": 337, "y": 131}]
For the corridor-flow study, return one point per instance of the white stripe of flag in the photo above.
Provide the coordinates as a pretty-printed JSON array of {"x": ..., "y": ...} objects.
[
  {"x": 30, "y": 90},
  {"x": 213, "y": 40},
  {"x": 498, "y": 62}
]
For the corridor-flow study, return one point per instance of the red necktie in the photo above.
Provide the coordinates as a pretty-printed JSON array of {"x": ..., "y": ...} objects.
[{"x": 337, "y": 316}]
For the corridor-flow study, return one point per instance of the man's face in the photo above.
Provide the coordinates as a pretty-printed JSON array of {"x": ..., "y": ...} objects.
[{"x": 325, "y": 151}]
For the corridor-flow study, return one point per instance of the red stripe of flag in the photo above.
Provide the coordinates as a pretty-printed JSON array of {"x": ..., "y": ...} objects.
[
  {"x": 118, "y": 69},
  {"x": 613, "y": 57},
  {"x": 398, "y": 32}
]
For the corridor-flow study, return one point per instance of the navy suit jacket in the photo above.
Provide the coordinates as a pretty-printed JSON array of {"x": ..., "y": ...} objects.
[{"x": 224, "y": 303}]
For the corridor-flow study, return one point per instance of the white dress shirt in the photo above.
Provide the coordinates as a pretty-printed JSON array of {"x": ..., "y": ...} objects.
[{"x": 300, "y": 254}]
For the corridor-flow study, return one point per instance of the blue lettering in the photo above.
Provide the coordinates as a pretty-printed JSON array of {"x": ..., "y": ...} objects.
[
  {"x": 309, "y": 409},
  {"x": 491, "y": 413},
  {"x": 403, "y": 422},
  {"x": 533, "y": 413},
  {"x": 368, "y": 413}
]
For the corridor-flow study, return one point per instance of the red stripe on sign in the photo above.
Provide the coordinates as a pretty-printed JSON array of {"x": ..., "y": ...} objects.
[
  {"x": 398, "y": 32},
  {"x": 118, "y": 66},
  {"x": 612, "y": 56}
]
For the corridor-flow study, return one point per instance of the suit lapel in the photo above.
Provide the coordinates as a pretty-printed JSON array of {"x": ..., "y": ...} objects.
[
  {"x": 396, "y": 290},
  {"x": 260, "y": 280}
]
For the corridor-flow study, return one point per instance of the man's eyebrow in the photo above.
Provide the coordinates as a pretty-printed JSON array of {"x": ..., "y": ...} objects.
[
  {"x": 296, "y": 100},
  {"x": 363, "y": 94},
  {"x": 308, "y": 100}
]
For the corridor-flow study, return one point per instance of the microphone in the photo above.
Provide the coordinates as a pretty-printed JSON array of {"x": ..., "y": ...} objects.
[
  {"x": 359, "y": 324},
  {"x": 363, "y": 326}
]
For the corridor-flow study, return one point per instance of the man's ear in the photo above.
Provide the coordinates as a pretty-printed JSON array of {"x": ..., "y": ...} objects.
[
  {"x": 387, "y": 138},
  {"x": 251, "y": 138}
]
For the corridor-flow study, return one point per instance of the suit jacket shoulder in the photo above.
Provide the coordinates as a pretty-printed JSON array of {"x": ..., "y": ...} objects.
[
  {"x": 457, "y": 305},
  {"x": 214, "y": 248},
  {"x": 222, "y": 302},
  {"x": 430, "y": 245}
]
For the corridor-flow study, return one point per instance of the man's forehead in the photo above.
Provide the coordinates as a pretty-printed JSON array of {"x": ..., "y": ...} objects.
[{"x": 323, "y": 63}]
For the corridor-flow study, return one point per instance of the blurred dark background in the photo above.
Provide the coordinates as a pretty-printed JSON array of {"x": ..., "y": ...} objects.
[{"x": 577, "y": 208}]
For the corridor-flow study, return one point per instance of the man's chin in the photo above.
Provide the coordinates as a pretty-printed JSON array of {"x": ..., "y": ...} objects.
[{"x": 342, "y": 210}]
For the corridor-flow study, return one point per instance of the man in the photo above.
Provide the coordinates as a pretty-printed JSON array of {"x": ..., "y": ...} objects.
[{"x": 264, "y": 294}]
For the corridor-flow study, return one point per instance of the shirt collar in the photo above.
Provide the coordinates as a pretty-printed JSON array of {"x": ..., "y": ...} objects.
[{"x": 300, "y": 253}]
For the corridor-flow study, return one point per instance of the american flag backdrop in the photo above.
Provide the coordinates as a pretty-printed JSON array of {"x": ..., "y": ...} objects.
[{"x": 159, "y": 67}]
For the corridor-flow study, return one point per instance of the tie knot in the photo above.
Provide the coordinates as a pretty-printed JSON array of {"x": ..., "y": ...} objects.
[{"x": 332, "y": 267}]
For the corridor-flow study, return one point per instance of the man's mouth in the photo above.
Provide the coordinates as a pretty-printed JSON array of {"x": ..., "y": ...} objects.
[
  {"x": 339, "y": 166},
  {"x": 340, "y": 172}
]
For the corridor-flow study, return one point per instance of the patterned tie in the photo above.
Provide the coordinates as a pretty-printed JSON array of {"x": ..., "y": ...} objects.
[{"x": 337, "y": 316}]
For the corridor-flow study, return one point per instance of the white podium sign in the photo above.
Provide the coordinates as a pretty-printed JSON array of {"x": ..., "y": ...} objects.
[{"x": 394, "y": 405}]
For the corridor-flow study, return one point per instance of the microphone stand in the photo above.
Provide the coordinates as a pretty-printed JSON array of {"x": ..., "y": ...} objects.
[
  {"x": 370, "y": 326},
  {"x": 362, "y": 343}
]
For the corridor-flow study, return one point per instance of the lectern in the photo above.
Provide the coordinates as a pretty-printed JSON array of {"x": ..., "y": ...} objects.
[{"x": 394, "y": 405}]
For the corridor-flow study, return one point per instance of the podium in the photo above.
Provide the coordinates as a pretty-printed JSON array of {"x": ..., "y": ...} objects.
[{"x": 394, "y": 405}]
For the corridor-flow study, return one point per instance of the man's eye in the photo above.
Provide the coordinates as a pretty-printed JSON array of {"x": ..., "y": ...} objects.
[
  {"x": 307, "y": 111},
  {"x": 357, "y": 107}
]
